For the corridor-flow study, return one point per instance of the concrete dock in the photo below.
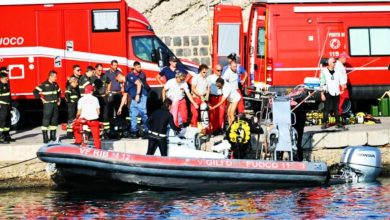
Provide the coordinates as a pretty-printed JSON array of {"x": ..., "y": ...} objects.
[{"x": 20, "y": 167}]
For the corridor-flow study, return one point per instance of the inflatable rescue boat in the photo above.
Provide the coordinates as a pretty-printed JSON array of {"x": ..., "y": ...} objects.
[{"x": 76, "y": 163}]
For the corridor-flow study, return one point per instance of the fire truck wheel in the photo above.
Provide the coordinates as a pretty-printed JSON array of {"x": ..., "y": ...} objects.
[{"x": 15, "y": 117}]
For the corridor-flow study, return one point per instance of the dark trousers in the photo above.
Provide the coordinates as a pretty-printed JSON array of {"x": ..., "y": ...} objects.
[
  {"x": 113, "y": 103},
  {"x": 160, "y": 142},
  {"x": 331, "y": 105},
  {"x": 299, "y": 126},
  {"x": 72, "y": 110},
  {"x": 50, "y": 116},
  {"x": 5, "y": 117}
]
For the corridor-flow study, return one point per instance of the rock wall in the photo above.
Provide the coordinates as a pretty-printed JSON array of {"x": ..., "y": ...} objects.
[{"x": 185, "y": 25}]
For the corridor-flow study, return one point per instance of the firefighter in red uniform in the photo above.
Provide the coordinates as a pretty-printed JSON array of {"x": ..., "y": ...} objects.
[
  {"x": 5, "y": 107},
  {"x": 88, "y": 110},
  {"x": 50, "y": 94}
]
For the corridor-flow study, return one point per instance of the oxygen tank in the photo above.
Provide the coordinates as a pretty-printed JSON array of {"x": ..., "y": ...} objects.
[{"x": 204, "y": 115}]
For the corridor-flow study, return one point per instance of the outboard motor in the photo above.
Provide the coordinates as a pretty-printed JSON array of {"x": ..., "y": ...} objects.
[{"x": 361, "y": 164}]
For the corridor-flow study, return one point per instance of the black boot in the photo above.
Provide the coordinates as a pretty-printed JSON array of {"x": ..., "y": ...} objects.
[
  {"x": 7, "y": 137},
  {"x": 53, "y": 136},
  {"x": 45, "y": 137},
  {"x": 3, "y": 139}
]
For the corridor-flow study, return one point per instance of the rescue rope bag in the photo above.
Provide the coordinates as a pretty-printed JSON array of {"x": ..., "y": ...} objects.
[{"x": 240, "y": 132}]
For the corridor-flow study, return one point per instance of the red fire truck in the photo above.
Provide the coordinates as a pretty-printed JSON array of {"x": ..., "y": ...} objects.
[
  {"x": 39, "y": 35},
  {"x": 287, "y": 41}
]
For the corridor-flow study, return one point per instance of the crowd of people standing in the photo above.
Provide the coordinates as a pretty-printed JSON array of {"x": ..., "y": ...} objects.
[{"x": 116, "y": 94}]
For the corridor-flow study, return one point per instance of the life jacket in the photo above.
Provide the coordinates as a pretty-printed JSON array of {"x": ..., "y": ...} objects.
[{"x": 239, "y": 132}]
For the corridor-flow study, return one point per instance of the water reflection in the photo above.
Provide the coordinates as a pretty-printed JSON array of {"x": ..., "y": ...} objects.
[{"x": 357, "y": 201}]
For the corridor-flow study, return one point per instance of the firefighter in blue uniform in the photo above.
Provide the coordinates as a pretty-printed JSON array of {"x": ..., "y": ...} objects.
[
  {"x": 5, "y": 107},
  {"x": 50, "y": 94}
]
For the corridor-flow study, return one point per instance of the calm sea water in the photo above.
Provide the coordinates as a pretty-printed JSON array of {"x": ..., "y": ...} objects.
[{"x": 360, "y": 201}]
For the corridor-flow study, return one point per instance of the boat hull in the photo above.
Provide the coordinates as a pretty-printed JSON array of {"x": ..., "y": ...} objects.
[{"x": 74, "y": 163}]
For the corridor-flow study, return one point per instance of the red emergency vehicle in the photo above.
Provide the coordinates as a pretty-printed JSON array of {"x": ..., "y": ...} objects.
[
  {"x": 287, "y": 41},
  {"x": 39, "y": 35}
]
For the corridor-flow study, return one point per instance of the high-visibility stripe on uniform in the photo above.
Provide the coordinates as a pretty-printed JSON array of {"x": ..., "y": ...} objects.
[
  {"x": 5, "y": 94},
  {"x": 84, "y": 85},
  {"x": 54, "y": 101},
  {"x": 49, "y": 93},
  {"x": 38, "y": 88},
  {"x": 106, "y": 125},
  {"x": 44, "y": 128},
  {"x": 5, "y": 103},
  {"x": 51, "y": 128},
  {"x": 6, "y": 129}
]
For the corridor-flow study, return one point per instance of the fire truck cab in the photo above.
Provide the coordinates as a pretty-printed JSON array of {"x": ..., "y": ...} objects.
[
  {"x": 286, "y": 41},
  {"x": 37, "y": 36}
]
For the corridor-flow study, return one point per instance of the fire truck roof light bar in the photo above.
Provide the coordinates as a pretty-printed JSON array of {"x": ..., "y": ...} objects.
[
  {"x": 365, "y": 8},
  {"x": 318, "y": 1},
  {"x": 46, "y": 2}
]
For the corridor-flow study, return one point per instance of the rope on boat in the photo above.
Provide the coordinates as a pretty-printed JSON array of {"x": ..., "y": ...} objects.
[{"x": 10, "y": 165}]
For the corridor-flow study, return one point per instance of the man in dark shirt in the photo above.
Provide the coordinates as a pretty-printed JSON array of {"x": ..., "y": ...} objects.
[
  {"x": 101, "y": 84},
  {"x": 87, "y": 79},
  {"x": 5, "y": 107},
  {"x": 168, "y": 72},
  {"x": 157, "y": 124},
  {"x": 76, "y": 74},
  {"x": 136, "y": 89},
  {"x": 50, "y": 94},
  {"x": 114, "y": 95}
]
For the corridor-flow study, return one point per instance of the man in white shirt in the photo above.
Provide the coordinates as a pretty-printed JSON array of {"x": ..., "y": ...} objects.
[
  {"x": 88, "y": 110},
  {"x": 200, "y": 92},
  {"x": 340, "y": 67},
  {"x": 231, "y": 76},
  {"x": 331, "y": 81},
  {"x": 217, "y": 115},
  {"x": 229, "y": 94},
  {"x": 176, "y": 89}
]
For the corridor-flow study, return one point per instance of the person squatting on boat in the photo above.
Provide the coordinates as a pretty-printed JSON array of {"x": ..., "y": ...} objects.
[
  {"x": 88, "y": 110},
  {"x": 157, "y": 124}
]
